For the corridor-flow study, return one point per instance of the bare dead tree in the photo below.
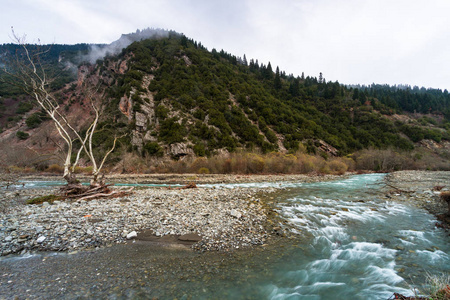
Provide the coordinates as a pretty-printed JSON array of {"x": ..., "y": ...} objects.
[{"x": 26, "y": 71}]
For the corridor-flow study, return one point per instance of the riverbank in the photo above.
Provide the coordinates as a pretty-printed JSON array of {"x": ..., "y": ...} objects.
[
  {"x": 221, "y": 218},
  {"x": 210, "y": 218},
  {"x": 422, "y": 189}
]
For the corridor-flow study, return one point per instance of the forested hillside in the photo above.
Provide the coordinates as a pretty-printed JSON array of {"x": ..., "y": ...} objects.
[
  {"x": 174, "y": 97},
  {"x": 232, "y": 103}
]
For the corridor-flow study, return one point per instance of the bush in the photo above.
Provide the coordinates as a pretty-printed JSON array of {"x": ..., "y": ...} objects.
[
  {"x": 383, "y": 160},
  {"x": 22, "y": 135},
  {"x": 337, "y": 166},
  {"x": 153, "y": 149},
  {"x": 255, "y": 164},
  {"x": 24, "y": 107},
  {"x": 84, "y": 170},
  {"x": 203, "y": 171},
  {"x": 55, "y": 168}
]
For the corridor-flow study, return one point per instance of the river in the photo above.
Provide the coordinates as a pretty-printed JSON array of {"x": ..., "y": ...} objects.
[{"x": 345, "y": 242}]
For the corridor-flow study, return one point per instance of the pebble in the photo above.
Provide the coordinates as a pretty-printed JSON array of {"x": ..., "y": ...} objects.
[
  {"x": 131, "y": 235},
  {"x": 40, "y": 239}
]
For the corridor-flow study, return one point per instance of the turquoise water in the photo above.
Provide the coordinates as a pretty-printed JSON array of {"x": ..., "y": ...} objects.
[
  {"x": 361, "y": 246},
  {"x": 346, "y": 242}
]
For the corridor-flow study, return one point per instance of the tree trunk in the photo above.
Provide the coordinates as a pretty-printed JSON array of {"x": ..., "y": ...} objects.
[{"x": 71, "y": 178}]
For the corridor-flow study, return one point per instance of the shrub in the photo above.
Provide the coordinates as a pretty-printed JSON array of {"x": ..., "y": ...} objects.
[
  {"x": 337, "y": 166},
  {"x": 84, "y": 170},
  {"x": 203, "y": 171},
  {"x": 255, "y": 164},
  {"x": 55, "y": 168},
  {"x": 153, "y": 149},
  {"x": 22, "y": 135},
  {"x": 24, "y": 107},
  {"x": 16, "y": 169},
  {"x": 198, "y": 163}
]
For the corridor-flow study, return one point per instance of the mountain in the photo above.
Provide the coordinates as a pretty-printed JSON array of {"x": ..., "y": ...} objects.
[{"x": 175, "y": 98}]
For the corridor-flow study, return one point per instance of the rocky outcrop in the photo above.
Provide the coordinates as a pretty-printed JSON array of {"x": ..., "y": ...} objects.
[
  {"x": 125, "y": 106},
  {"x": 141, "y": 121},
  {"x": 148, "y": 137},
  {"x": 434, "y": 146},
  {"x": 137, "y": 140},
  {"x": 180, "y": 150},
  {"x": 83, "y": 73},
  {"x": 123, "y": 66},
  {"x": 327, "y": 148}
]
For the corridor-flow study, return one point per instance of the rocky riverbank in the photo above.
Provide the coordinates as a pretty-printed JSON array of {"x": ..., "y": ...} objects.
[
  {"x": 212, "y": 218},
  {"x": 222, "y": 218},
  {"x": 422, "y": 189}
]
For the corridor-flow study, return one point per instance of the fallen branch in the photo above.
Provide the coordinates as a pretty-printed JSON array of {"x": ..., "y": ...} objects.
[{"x": 112, "y": 194}]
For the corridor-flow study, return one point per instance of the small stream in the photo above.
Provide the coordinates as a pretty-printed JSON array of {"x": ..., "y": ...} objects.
[{"x": 346, "y": 242}]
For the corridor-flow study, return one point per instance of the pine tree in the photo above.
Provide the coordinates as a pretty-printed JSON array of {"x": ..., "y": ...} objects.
[{"x": 277, "y": 81}]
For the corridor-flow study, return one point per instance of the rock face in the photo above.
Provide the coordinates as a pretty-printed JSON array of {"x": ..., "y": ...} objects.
[
  {"x": 141, "y": 121},
  {"x": 123, "y": 67},
  {"x": 125, "y": 107},
  {"x": 327, "y": 148},
  {"x": 83, "y": 72},
  {"x": 180, "y": 150}
]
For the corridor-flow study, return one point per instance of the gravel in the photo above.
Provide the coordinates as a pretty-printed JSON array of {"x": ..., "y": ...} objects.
[
  {"x": 224, "y": 218},
  {"x": 420, "y": 188}
]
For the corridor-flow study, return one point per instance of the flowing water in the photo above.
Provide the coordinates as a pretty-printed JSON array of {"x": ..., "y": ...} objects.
[{"x": 346, "y": 242}]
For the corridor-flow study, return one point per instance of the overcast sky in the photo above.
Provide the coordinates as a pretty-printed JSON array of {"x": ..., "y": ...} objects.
[{"x": 352, "y": 41}]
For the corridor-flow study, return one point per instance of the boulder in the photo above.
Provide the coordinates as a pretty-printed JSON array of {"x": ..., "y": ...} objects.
[{"x": 180, "y": 149}]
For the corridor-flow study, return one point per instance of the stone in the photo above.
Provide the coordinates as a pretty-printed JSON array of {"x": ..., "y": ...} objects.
[
  {"x": 40, "y": 239},
  {"x": 235, "y": 213},
  {"x": 180, "y": 149},
  {"x": 8, "y": 238},
  {"x": 131, "y": 235}
]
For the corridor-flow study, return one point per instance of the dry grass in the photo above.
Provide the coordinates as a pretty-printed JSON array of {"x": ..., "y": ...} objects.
[
  {"x": 438, "y": 286},
  {"x": 243, "y": 163}
]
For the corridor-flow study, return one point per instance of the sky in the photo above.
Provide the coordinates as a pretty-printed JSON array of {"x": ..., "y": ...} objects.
[{"x": 350, "y": 41}]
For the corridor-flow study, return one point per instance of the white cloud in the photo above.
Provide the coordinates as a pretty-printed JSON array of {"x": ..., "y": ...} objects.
[{"x": 382, "y": 41}]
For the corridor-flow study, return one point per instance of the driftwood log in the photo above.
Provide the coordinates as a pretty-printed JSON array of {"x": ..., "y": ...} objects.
[{"x": 83, "y": 192}]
